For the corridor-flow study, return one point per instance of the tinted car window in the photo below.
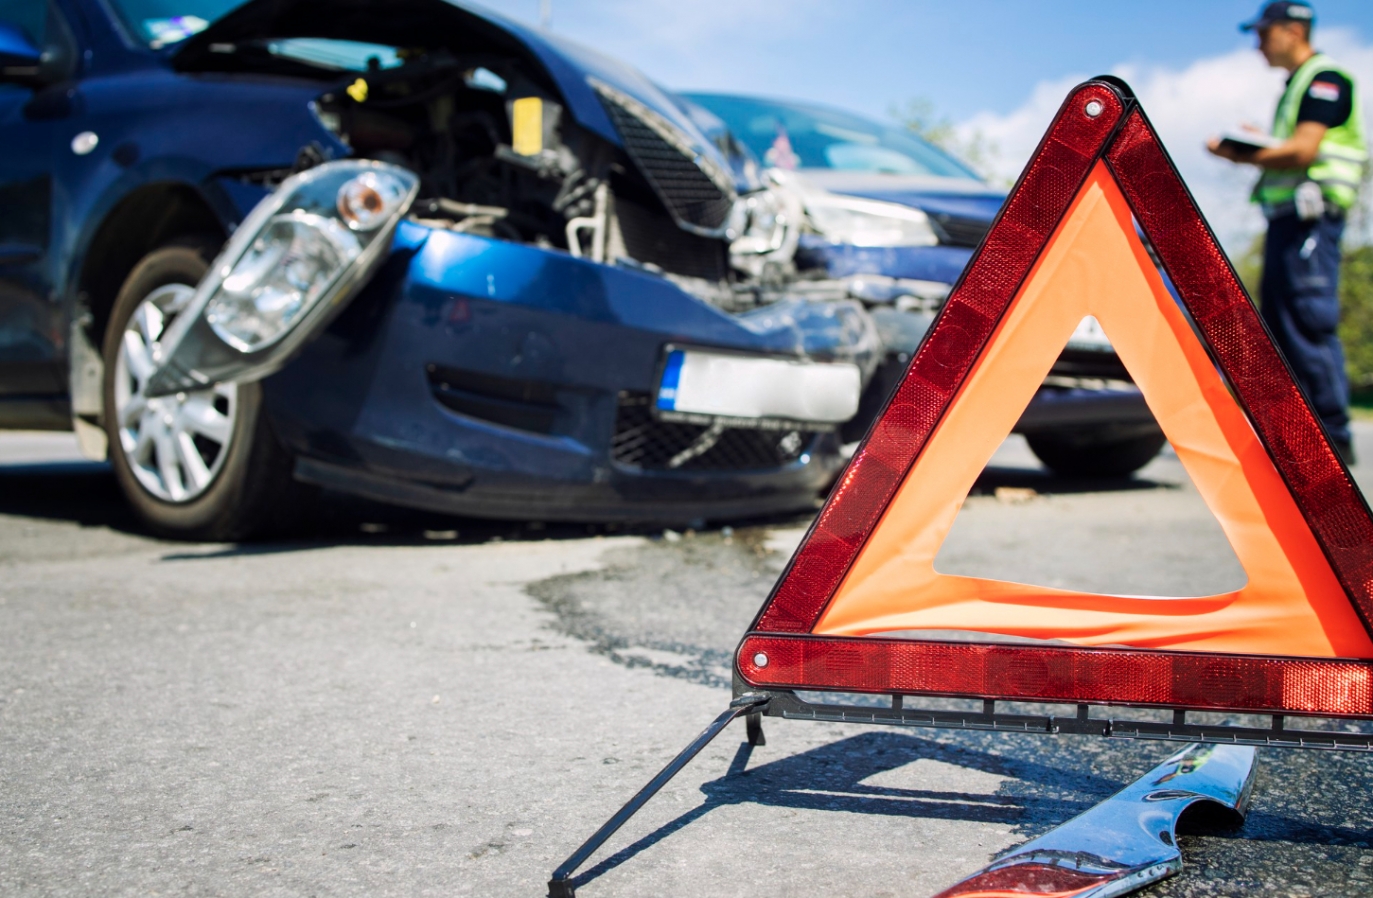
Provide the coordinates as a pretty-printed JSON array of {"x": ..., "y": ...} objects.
[
  {"x": 162, "y": 22},
  {"x": 796, "y": 135},
  {"x": 39, "y": 21},
  {"x": 30, "y": 16}
]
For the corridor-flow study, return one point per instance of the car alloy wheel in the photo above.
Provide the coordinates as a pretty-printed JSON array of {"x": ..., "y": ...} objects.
[{"x": 175, "y": 445}]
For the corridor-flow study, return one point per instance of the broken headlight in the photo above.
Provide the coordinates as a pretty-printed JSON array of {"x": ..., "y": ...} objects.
[
  {"x": 283, "y": 274},
  {"x": 765, "y": 228},
  {"x": 292, "y": 264},
  {"x": 843, "y": 219}
]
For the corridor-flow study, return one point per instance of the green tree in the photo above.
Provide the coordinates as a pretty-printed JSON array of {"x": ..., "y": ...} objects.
[
  {"x": 1356, "y": 318},
  {"x": 1249, "y": 266},
  {"x": 1356, "y": 293},
  {"x": 1359, "y": 230},
  {"x": 919, "y": 116}
]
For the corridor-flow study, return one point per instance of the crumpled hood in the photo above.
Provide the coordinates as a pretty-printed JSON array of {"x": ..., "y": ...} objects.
[{"x": 415, "y": 22}]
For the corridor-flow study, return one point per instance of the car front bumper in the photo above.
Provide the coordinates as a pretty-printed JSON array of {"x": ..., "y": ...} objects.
[{"x": 479, "y": 377}]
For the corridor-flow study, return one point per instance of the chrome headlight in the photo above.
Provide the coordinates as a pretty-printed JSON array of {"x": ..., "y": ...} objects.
[
  {"x": 759, "y": 222},
  {"x": 765, "y": 227},
  {"x": 858, "y": 222},
  {"x": 290, "y": 265},
  {"x": 287, "y": 270}
]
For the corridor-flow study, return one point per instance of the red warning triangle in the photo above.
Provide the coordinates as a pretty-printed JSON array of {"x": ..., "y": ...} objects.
[{"x": 1295, "y": 638}]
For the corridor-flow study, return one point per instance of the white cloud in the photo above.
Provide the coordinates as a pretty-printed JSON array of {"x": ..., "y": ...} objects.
[{"x": 1186, "y": 106}]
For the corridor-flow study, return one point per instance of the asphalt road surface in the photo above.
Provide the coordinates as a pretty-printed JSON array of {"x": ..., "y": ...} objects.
[{"x": 399, "y": 704}]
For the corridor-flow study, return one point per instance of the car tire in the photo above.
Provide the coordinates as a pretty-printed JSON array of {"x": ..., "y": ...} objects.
[
  {"x": 1076, "y": 456},
  {"x": 202, "y": 465}
]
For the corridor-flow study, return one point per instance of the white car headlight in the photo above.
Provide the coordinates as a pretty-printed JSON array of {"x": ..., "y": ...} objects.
[
  {"x": 858, "y": 222},
  {"x": 301, "y": 250},
  {"x": 287, "y": 269}
]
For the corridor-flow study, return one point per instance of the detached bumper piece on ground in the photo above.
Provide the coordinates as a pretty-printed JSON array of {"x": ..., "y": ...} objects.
[{"x": 1127, "y": 841}]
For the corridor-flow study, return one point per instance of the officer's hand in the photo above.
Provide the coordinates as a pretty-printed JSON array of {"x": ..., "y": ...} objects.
[{"x": 1224, "y": 151}]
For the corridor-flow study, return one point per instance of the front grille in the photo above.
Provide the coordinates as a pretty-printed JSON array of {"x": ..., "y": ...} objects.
[
  {"x": 642, "y": 441},
  {"x": 650, "y": 236},
  {"x": 697, "y": 192},
  {"x": 955, "y": 230}
]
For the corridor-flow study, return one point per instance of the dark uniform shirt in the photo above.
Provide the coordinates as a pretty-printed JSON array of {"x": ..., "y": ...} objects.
[{"x": 1328, "y": 100}]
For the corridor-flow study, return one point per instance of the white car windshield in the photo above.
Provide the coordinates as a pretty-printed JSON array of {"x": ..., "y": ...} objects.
[
  {"x": 797, "y": 135},
  {"x": 162, "y": 22}
]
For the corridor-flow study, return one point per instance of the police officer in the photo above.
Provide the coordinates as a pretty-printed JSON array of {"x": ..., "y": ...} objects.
[{"x": 1310, "y": 179}]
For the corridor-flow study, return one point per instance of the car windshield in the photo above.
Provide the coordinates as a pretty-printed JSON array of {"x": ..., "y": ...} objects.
[
  {"x": 163, "y": 22},
  {"x": 795, "y": 135}
]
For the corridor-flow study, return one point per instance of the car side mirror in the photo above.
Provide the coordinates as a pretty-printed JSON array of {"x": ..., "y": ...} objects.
[{"x": 20, "y": 61}]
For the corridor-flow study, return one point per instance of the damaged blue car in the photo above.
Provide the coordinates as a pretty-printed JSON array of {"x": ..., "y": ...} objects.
[
  {"x": 407, "y": 250},
  {"x": 899, "y": 218}
]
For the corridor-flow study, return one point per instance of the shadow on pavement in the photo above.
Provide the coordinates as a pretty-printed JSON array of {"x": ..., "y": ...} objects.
[
  {"x": 82, "y": 492},
  {"x": 85, "y": 493},
  {"x": 1045, "y": 482},
  {"x": 831, "y": 777}
]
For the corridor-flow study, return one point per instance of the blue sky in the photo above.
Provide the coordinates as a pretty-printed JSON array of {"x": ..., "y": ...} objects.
[
  {"x": 997, "y": 68},
  {"x": 966, "y": 56}
]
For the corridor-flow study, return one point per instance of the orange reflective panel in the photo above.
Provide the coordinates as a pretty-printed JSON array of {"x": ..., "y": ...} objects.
[{"x": 1292, "y": 603}]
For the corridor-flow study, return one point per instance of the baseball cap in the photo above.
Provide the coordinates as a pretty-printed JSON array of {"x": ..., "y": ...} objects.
[{"x": 1281, "y": 11}]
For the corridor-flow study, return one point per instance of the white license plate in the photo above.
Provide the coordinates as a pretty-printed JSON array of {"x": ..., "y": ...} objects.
[
  {"x": 735, "y": 386},
  {"x": 1089, "y": 335}
]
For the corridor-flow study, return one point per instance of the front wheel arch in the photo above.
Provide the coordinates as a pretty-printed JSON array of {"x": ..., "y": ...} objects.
[
  {"x": 252, "y": 491},
  {"x": 151, "y": 216}
]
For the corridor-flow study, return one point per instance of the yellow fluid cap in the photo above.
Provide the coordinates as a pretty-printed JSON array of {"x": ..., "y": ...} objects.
[{"x": 526, "y": 126}]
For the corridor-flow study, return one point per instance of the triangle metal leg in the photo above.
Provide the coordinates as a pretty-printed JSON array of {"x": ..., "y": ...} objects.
[{"x": 561, "y": 885}]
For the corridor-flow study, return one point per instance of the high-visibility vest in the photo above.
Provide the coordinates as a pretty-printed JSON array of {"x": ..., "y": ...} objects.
[{"x": 1343, "y": 153}]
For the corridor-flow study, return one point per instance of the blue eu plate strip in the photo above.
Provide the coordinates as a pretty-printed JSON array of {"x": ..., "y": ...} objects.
[{"x": 672, "y": 373}]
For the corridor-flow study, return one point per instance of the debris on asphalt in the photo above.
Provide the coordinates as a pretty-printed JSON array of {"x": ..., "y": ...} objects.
[{"x": 1015, "y": 495}]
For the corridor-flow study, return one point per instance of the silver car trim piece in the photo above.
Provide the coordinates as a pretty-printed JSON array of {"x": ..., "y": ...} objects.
[{"x": 1130, "y": 839}]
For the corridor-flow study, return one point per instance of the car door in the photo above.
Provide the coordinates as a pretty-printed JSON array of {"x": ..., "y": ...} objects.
[{"x": 31, "y": 326}]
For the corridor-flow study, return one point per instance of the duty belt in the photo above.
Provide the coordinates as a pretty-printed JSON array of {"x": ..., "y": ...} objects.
[{"x": 1289, "y": 207}]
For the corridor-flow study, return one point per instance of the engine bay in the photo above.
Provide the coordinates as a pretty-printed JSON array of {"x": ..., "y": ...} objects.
[
  {"x": 488, "y": 148},
  {"x": 498, "y": 155}
]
